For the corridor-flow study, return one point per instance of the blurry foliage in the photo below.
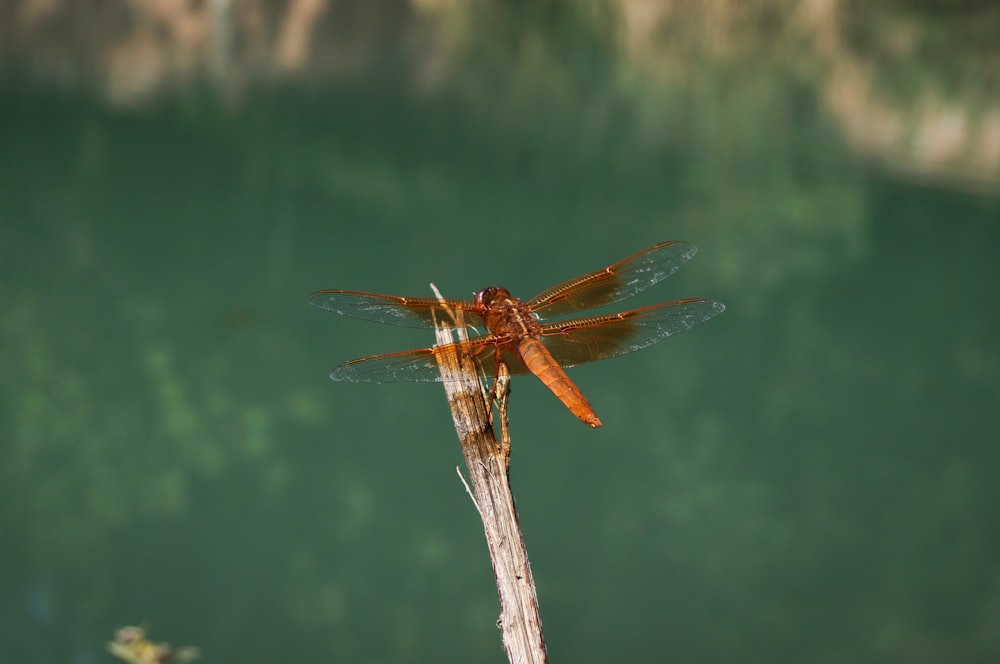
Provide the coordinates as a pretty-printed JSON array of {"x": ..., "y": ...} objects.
[
  {"x": 678, "y": 100},
  {"x": 103, "y": 428},
  {"x": 947, "y": 45}
]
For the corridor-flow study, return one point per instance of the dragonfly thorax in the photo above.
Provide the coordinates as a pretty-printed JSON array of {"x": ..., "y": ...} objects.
[{"x": 505, "y": 314}]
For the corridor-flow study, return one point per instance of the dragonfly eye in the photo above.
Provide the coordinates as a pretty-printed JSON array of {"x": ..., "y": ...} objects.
[{"x": 488, "y": 296}]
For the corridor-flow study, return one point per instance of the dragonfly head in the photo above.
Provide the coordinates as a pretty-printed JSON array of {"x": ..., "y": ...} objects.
[{"x": 490, "y": 296}]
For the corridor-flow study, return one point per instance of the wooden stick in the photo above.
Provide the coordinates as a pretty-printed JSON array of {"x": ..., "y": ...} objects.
[{"x": 487, "y": 461}]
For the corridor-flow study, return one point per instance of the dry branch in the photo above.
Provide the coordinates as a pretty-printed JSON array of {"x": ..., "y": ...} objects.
[{"x": 487, "y": 461}]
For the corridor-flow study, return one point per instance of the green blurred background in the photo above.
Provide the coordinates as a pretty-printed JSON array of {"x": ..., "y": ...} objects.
[{"x": 810, "y": 477}]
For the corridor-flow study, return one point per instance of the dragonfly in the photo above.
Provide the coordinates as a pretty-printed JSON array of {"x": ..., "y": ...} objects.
[{"x": 531, "y": 336}]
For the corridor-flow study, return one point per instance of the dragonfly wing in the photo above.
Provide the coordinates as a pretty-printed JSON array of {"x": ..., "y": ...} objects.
[
  {"x": 391, "y": 309},
  {"x": 615, "y": 282},
  {"x": 422, "y": 365},
  {"x": 404, "y": 366},
  {"x": 587, "y": 339}
]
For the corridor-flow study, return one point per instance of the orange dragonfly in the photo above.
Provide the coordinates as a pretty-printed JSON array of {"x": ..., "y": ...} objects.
[{"x": 522, "y": 334}]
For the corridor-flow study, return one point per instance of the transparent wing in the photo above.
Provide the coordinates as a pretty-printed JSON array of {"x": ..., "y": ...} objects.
[
  {"x": 615, "y": 282},
  {"x": 392, "y": 309},
  {"x": 588, "y": 339},
  {"x": 570, "y": 342},
  {"x": 422, "y": 365},
  {"x": 408, "y": 365}
]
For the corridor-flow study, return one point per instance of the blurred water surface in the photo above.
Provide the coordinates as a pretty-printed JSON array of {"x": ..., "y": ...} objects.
[{"x": 810, "y": 477}]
